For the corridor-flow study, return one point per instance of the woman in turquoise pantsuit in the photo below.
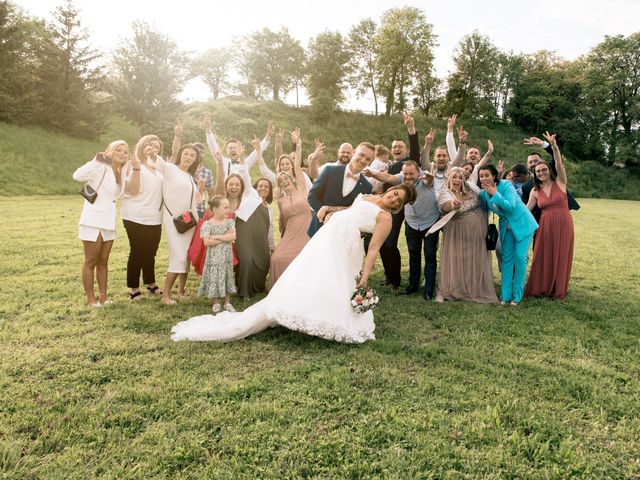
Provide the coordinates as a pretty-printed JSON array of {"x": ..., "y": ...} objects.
[{"x": 517, "y": 226}]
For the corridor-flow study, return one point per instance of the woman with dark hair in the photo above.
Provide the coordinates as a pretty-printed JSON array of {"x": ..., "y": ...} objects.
[
  {"x": 327, "y": 268},
  {"x": 252, "y": 224},
  {"x": 98, "y": 220},
  {"x": 265, "y": 191},
  {"x": 141, "y": 213},
  {"x": 553, "y": 246},
  {"x": 180, "y": 195},
  {"x": 295, "y": 214},
  {"x": 517, "y": 227},
  {"x": 465, "y": 262}
]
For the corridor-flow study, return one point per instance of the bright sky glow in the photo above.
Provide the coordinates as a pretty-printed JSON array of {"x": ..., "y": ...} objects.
[{"x": 569, "y": 27}]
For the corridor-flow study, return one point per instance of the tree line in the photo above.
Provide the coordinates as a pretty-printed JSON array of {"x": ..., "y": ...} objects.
[{"x": 52, "y": 77}]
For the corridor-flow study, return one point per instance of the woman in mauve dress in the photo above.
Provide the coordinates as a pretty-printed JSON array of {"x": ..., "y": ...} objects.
[
  {"x": 295, "y": 215},
  {"x": 553, "y": 245}
]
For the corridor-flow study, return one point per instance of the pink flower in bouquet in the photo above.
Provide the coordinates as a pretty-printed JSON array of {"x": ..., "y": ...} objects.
[
  {"x": 358, "y": 298},
  {"x": 369, "y": 294}
]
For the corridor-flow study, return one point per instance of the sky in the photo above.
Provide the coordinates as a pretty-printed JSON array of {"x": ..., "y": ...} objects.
[{"x": 568, "y": 27}]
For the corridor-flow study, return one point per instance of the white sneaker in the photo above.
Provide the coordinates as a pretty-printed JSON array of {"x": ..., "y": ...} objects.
[
  {"x": 229, "y": 308},
  {"x": 216, "y": 308}
]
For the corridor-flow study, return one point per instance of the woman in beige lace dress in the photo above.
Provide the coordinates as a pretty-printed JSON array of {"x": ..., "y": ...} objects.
[{"x": 465, "y": 262}]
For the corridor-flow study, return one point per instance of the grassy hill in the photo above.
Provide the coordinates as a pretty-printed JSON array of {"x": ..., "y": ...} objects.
[{"x": 34, "y": 161}]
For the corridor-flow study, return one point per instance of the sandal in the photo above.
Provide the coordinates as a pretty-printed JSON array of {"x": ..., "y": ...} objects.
[
  {"x": 95, "y": 305},
  {"x": 135, "y": 296},
  {"x": 215, "y": 308},
  {"x": 155, "y": 290}
]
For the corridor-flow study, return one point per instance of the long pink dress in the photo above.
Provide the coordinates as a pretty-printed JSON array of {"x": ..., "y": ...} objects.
[
  {"x": 296, "y": 212},
  {"x": 553, "y": 247}
]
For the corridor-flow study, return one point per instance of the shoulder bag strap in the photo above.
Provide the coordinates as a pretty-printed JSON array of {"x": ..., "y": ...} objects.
[
  {"x": 104, "y": 172},
  {"x": 190, "y": 201}
]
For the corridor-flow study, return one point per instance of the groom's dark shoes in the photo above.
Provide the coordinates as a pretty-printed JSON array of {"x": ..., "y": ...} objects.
[{"x": 409, "y": 291}]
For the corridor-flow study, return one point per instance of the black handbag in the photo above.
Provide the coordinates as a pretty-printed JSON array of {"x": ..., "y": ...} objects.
[
  {"x": 186, "y": 220},
  {"x": 89, "y": 193},
  {"x": 492, "y": 236}
]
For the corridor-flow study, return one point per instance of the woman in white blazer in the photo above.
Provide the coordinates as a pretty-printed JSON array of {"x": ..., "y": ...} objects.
[{"x": 98, "y": 219}]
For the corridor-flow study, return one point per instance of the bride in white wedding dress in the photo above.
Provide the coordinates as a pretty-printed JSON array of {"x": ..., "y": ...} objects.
[{"x": 313, "y": 295}]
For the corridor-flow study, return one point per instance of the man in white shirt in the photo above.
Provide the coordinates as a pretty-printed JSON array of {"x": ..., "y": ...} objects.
[{"x": 232, "y": 162}]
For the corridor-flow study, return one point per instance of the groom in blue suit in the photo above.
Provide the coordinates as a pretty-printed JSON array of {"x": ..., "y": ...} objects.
[{"x": 339, "y": 185}]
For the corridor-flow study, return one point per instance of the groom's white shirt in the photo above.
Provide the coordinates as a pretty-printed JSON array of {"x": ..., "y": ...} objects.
[{"x": 348, "y": 183}]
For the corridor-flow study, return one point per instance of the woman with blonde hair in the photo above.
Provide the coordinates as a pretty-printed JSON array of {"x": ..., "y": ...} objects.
[
  {"x": 98, "y": 218},
  {"x": 465, "y": 262},
  {"x": 141, "y": 213}
]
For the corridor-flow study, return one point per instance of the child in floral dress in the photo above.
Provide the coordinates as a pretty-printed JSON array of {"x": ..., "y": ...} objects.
[{"x": 217, "y": 233}]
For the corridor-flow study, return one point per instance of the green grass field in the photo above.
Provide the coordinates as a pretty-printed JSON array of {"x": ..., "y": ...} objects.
[{"x": 545, "y": 390}]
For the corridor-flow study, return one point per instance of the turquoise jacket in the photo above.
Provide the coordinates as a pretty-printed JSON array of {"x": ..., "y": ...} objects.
[{"x": 512, "y": 212}]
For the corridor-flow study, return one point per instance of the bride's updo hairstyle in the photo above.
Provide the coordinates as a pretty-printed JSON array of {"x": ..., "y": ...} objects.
[{"x": 410, "y": 194}]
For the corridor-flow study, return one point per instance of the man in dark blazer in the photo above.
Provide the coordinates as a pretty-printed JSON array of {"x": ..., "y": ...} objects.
[{"x": 338, "y": 186}]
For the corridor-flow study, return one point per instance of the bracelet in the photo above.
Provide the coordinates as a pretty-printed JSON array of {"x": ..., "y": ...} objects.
[{"x": 136, "y": 169}]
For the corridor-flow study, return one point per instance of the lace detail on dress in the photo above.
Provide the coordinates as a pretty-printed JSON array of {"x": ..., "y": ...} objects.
[{"x": 327, "y": 330}]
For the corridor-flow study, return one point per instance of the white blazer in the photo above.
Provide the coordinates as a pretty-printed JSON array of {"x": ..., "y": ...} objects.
[{"x": 101, "y": 213}]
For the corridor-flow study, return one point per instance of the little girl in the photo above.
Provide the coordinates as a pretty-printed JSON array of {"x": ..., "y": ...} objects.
[{"x": 217, "y": 233}]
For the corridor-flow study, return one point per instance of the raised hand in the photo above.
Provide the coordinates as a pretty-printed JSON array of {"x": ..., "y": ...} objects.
[
  {"x": 319, "y": 151},
  {"x": 206, "y": 122},
  {"x": 295, "y": 136},
  {"x": 201, "y": 185},
  {"x": 462, "y": 134},
  {"x": 217, "y": 156},
  {"x": 489, "y": 147},
  {"x": 451, "y": 122},
  {"x": 270, "y": 129},
  {"x": 430, "y": 137},
  {"x": 533, "y": 141},
  {"x": 178, "y": 129},
  {"x": 241, "y": 151},
  {"x": 408, "y": 121},
  {"x": 256, "y": 144},
  {"x": 279, "y": 135},
  {"x": 500, "y": 168},
  {"x": 550, "y": 138}
]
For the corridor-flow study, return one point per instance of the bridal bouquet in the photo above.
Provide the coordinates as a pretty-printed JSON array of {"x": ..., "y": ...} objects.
[{"x": 364, "y": 299}]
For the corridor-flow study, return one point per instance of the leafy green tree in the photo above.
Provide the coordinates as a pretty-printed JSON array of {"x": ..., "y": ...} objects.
[
  {"x": 22, "y": 44},
  {"x": 508, "y": 77},
  {"x": 612, "y": 90},
  {"x": 149, "y": 71},
  {"x": 69, "y": 78},
  {"x": 471, "y": 86},
  {"x": 363, "y": 52},
  {"x": 405, "y": 44},
  {"x": 327, "y": 70},
  {"x": 269, "y": 62},
  {"x": 213, "y": 66},
  {"x": 548, "y": 97}
]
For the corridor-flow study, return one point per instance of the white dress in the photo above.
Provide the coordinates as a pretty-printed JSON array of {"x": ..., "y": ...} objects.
[
  {"x": 312, "y": 296},
  {"x": 179, "y": 192}
]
